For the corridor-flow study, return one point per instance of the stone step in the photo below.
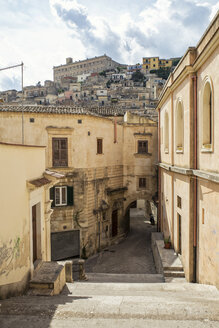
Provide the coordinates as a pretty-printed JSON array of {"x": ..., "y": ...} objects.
[
  {"x": 124, "y": 278},
  {"x": 40, "y": 292},
  {"x": 173, "y": 268},
  {"x": 80, "y": 303},
  {"x": 49, "y": 278},
  {"x": 176, "y": 274},
  {"x": 176, "y": 280}
]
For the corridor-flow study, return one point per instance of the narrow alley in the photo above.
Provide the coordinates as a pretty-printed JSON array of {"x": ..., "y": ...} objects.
[{"x": 129, "y": 261}]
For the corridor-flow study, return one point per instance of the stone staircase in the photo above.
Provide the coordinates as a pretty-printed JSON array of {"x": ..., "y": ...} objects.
[
  {"x": 173, "y": 272},
  {"x": 48, "y": 279},
  {"x": 166, "y": 261},
  {"x": 123, "y": 278},
  {"x": 117, "y": 305}
]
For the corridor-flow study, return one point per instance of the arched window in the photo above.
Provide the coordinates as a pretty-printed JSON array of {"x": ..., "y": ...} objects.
[
  {"x": 179, "y": 129},
  {"x": 166, "y": 132},
  {"x": 207, "y": 114}
]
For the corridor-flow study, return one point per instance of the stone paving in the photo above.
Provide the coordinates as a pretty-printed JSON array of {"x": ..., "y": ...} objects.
[
  {"x": 116, "y": 305},
  {"x": 131, "y": 256}
]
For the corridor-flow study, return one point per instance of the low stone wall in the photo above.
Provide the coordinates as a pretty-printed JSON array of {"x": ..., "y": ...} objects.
[{"x": 157, "y": 237}]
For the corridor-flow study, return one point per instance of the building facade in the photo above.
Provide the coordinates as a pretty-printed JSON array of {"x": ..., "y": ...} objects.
[
  {"x": 83, "y": 67},
  {"x": 25, "y": 210},
  {"x": 107, "y": 163},
  {"x": 154, "y": 63},
  {"x": 188, "y": 159}
]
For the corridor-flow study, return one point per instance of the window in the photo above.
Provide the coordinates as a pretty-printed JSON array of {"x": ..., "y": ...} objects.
[
  {"x": 207, "y": 116},
  {"x": 166, "y": 133},
  {"x": 179, "y": 202},
  {"x": 142, "y": 146},
  {"x": 142, "y": 182},
  {"x": 179, "y": 219},
  {"x": 99, "y": 146},
  {"x": 62, "y": 196},
  {"x": 60, "y": 152},
  {"x": 179, "y": 126},
  {"x": 203, "y": 216}
]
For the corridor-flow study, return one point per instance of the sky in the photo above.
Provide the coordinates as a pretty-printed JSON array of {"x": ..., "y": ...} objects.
[{"x": 43, "y": 33}]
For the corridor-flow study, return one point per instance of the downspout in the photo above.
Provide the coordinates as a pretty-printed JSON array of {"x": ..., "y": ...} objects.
[
  {"x": 159, "y": 176},
  {"x": 194, "y": 78},
  {"x": 115, "y": 130},
  {"x": 172, "y": 163}
]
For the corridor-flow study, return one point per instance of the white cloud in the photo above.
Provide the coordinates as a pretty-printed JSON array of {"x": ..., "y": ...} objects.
[
  {"x": 42, "y": 33},
  {"x": 214, "y": 10}
]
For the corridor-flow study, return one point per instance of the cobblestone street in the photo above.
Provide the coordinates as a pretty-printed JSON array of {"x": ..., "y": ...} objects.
[{"x": 131, "y": 256}]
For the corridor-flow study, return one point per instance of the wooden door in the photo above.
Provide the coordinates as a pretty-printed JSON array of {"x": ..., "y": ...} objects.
[
  {"x": 34, "y": 233},
  {"x": 114, "y": 223}
]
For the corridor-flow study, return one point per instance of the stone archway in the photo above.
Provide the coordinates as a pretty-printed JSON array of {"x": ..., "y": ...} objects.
[{"x": 150, "y": 207}]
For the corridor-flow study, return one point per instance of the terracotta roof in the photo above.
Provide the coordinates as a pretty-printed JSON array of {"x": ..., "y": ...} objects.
[
  {"x": 39, "y": 182},
  {"x": 98, "y": 111}
]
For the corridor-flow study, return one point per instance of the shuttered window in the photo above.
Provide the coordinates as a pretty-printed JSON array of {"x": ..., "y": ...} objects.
[
  {"x": 62, "y": 196},
  {"x": 142, "y": 146},
  {"x": 60, "y": 152},
  {"x": 142, "y": 182},
  {"x": 99, "y": 146}
]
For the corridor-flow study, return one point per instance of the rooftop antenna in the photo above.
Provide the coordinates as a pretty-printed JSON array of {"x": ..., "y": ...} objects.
[{"x": 22, "y": 88}]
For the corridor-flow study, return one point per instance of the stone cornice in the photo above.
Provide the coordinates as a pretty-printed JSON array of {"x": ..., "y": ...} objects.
[{"x": 210, "y": 176}]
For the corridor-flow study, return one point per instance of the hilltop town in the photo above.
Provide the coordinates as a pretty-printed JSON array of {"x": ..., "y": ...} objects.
[{"x": 99, "y": 81}]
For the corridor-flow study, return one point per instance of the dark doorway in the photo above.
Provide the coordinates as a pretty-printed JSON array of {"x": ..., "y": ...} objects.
[
  {"x": 179, "y": 234},
  {"x": 34, "y": 232},
  {"x": 114, "y": 223}
]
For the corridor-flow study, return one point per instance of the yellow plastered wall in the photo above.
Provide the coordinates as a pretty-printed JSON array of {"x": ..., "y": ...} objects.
[{"x": 18, "y": 165}]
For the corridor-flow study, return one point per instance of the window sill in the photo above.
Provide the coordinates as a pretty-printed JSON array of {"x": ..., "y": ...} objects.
[
  {"x": 166, "y": 151},
  {"x": 207, "y": 148},
  {"x": 61, "y": 206},
  {"x": 59, "y": 168},
  {"x": 179, "y": 150},
  {"x": 142, "y": 154},
  {"x": 99, "y": 154}
]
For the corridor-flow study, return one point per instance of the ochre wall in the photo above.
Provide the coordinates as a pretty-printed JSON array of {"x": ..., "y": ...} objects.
[{"x": 18, "y": 164}]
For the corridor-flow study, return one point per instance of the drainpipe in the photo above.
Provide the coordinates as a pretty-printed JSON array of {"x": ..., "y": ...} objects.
[
  {"x": 159, "y": 177},
  {"x": 172, "y": 163},
  {"x": 194, "y": 78},
  {"x": 115, "y": 130}
]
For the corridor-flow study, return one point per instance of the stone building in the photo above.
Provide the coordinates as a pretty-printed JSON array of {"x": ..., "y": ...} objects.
[
  {"x": 107, "y": 163},
  {"x": 91, "y": 65},
  {"x": 151, "y": 63},
  {"x": 8, "y": 96},
  {"x": 188, "y": 159}
]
